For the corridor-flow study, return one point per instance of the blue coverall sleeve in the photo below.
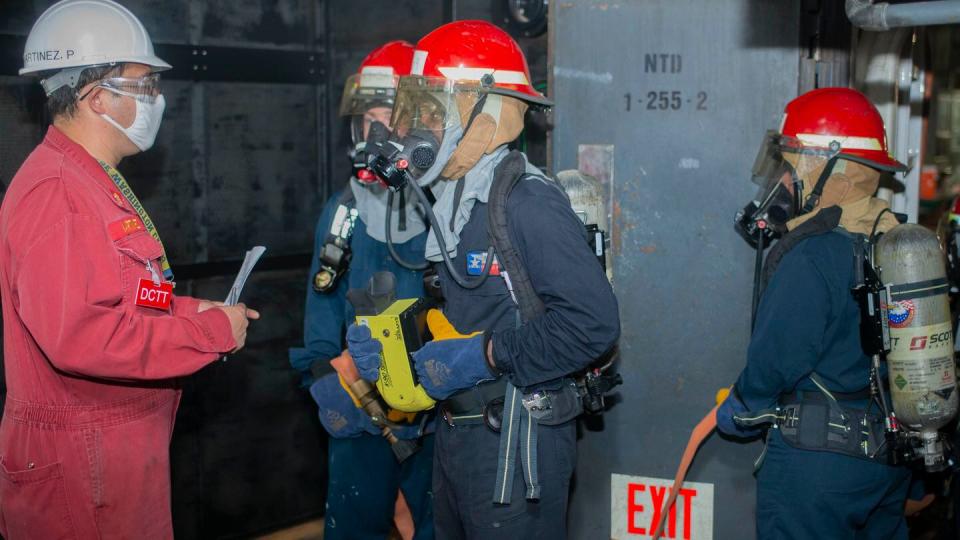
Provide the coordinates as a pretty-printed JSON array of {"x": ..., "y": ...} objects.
[
  {"x": 323, "y": 320},
  {"x": 582, "y": 319},
  {"x": 789, "y": 333}
]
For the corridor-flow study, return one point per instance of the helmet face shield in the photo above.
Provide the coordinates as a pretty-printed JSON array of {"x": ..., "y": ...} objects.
[
  {"x": 783, "y": 168},
  {"x": 778, "y": 191},
  {"x": 770, "y": 166},
  {"x": 430, "y": 103},
  {"x": 375, "y": 87},
  {"x": 780, "y": 154}
]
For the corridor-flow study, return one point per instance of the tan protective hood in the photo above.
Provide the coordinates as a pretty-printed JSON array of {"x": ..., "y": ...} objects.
[
  {"x": 851, "y": 187},
  {"x": 499, "y": 122}
]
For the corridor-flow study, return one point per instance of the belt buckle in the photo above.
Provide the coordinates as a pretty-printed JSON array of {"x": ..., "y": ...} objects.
[
  {"x": 790, "y": 417},
  {"x": 537, "y": 401}
]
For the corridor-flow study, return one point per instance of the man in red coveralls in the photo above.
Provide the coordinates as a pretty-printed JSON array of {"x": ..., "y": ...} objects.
[{"x": 94, "y": 337}]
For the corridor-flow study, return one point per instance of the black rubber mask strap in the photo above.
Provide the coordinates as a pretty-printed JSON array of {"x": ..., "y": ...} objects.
[
  {"x": 821, "y": 183},
  {"x": 797, "y": 184},
  {"x": 458, "y": 193}
]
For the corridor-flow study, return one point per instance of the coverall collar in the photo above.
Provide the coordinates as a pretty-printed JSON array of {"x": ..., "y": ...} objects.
[{"x": 82, "y": 159}]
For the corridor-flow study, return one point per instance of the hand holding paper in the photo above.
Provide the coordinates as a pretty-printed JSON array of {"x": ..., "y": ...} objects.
[{"x": 237, "y": 312}]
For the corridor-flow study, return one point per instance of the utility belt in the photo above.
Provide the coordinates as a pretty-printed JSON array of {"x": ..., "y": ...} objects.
[
  {"x": 814, "y": 420},
  {"x": 484, "y": 403},
  {"x": 515, "y": 415}
]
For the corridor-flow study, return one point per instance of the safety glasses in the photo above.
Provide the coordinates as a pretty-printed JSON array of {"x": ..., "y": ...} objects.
[{"x": 145, "y": 88}]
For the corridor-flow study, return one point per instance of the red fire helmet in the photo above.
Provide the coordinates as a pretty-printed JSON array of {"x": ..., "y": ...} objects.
[
  {"x": 830, "y": 118},
  {"x": 375, "y": 83},
  {"x": 476, "y": 51}
]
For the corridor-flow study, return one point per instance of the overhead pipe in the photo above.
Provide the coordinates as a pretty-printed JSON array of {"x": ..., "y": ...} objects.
[{"x": 883, "y": 16}]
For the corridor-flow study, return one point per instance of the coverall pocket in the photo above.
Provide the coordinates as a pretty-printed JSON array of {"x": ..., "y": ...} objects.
[
  {"x": 136, "y": 252},
  {"x": 493, "y": 286},
  {"x": 33, "y": 503}
]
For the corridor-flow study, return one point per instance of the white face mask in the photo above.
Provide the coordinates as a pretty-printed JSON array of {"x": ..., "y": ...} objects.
[{"x": 146, "y": 123}]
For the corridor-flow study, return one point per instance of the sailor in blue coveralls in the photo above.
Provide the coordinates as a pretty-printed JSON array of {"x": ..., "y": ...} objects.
[
  {"x": 816, "y": 482},
  {"x": 505, "y": 446},
  {"x": 364, "y": 475}
]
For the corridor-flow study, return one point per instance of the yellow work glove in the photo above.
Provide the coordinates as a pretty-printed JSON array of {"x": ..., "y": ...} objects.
[{"x": 441, "y": 329}]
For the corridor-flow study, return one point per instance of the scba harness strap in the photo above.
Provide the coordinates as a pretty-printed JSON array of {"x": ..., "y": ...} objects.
[
  {"x": 335, "y": 254},
  {"x": 817, "y": 420},
  {"x": 522, "y": 412},
  {"x": 825, "y": 221}
]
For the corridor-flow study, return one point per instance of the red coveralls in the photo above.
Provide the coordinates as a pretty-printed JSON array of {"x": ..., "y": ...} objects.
[{"x": 92, "y": 394}]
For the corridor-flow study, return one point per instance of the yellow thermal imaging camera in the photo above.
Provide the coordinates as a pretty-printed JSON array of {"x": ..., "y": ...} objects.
[{"x": 401, "y": 327}]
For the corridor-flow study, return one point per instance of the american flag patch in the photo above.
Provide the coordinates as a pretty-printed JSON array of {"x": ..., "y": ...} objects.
[{"x": 477, "y": 260}]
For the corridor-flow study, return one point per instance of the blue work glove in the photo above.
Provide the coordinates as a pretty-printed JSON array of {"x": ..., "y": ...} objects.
[
  {"x": 366, "y": 351},
  {"x": 338, "y": 414},
  {"x": 448, "y": 366},
  {"x": 732, "y": 406}
]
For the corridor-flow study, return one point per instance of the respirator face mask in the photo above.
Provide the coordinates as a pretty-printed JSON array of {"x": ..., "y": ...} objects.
[
  {"x": 779, "y": 191},
  {"x": 426, "y": 108},
  {"x": 394, "y": 161},
  {"x": 426, "y": 129},
  {"x": 378, "y": 135}
]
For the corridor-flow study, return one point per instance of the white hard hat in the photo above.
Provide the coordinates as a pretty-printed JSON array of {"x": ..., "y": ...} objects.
[{"x": 74, "y": 34}]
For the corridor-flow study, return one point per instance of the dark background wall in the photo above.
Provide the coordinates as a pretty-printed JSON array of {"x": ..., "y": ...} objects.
[{"x": 249, "y": 150}]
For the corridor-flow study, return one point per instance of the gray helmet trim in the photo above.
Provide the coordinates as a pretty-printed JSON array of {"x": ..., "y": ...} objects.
[
  {"x": 533, "y": 100},
  {"x": 65, "y": 77}
]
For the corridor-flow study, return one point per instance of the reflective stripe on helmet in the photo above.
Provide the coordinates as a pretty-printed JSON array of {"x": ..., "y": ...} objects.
[
  {"x": 419, "y": 61},
  {"x": 500, "y": 76},
  {"x": 377, "y": 77},
  {"x": 846, "y": 143}
]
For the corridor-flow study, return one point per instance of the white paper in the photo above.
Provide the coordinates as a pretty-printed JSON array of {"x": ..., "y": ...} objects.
[{"x": 249, "y": 261}]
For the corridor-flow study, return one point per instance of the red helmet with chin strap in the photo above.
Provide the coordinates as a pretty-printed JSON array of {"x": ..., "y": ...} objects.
[
  {"x": 477, "y": 51},
  {"x": 375, "y": 83},
  {"x": 830, "y": 118},
  {"x": 819, "y": 128}
]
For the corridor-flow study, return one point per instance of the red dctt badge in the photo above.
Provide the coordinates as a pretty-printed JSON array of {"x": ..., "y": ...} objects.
[{"x": 151, "y": 295}]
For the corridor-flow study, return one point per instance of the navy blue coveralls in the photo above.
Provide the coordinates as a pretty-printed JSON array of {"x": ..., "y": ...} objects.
[
  {"x": 581, "y": 323},
  {"x": 364, "y": 475},
  {"x": 808, "y": 322}
]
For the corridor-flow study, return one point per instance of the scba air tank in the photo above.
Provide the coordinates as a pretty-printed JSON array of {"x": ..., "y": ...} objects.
[{"x": 920, "y": 365}]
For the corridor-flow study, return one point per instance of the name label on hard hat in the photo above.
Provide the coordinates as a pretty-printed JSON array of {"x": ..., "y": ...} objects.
[
  {"x": 48, "y": 56},
  {"x": 153, "y": 295}
]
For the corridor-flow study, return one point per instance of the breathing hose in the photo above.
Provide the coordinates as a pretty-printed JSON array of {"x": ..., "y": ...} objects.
[{"x": 390, "y": 247}]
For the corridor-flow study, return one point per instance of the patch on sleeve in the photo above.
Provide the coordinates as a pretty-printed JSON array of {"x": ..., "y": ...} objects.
[
  {"x": 477, "y": 260},
  {"x": 126, "y": 226}
]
